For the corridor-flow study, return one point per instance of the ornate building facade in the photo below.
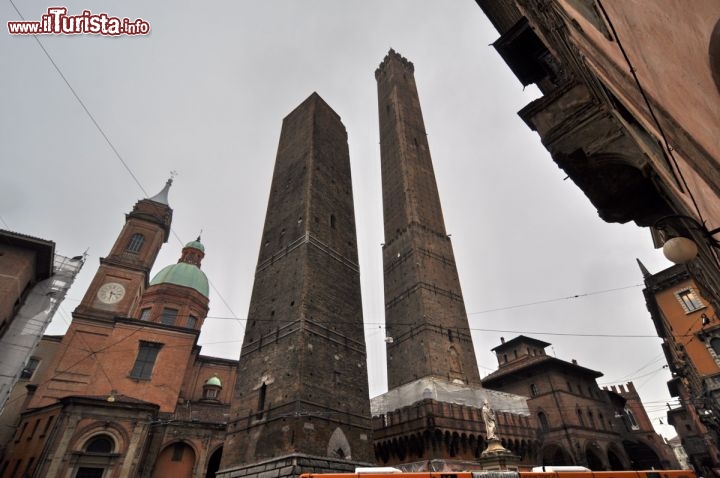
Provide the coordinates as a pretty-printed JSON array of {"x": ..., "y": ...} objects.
[
  {"x": 629, "y": 110},
  {"x": 690, "y": 330},
  {"x": 578, "y": 422}
]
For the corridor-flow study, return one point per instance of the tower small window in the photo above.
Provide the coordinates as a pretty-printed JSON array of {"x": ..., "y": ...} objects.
[
  {"x": 715, "y": 344},
  {"x": 30, "y": 368},
  {"x": 192, "y": 322},
  {"x": 542, "y": 418},
  {"x": 631, "y": 419},
  {"x": 689, "y": 300},
  {"x": 145, "y": 360},
  {"x": 261, "y": 401},
  {"x": 145, "y": 314},
  {"x": 168, "y": 316},
  {"x": 34, "y": 429},
  {"x": 332, "y": 221},
  {"x": 135, "y": 243},
  {"x": 533, "y": 390},
  {"x": 581, "y": 419},
  {"x": 47, "y": 425}
]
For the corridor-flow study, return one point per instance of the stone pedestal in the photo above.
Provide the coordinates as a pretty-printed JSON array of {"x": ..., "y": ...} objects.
[
  {"x": 497, "y": 457},
  {"x": 291, "y": 466}
]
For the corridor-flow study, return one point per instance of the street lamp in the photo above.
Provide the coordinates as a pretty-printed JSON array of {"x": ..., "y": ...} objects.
[{"x": 680, "y": 249}]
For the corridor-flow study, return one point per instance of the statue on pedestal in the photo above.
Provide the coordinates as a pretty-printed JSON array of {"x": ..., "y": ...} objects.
[
  {"x": 488, "y": 415},
  {"x": 495, "y": 456}
]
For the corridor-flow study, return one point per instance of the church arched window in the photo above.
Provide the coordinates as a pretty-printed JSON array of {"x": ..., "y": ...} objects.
[
  {"x": 135, "y": 243},
  {"x": 631, "y": 419},
  {"x": 715, "y": 344},
  {"x": 542, "y": 418},
  {"x": 100, "y": 444},
  {"x": 90, "y": 461}
]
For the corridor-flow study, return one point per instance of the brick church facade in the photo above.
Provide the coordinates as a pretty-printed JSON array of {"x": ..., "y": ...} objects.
[{"x": 127, "y": 392}]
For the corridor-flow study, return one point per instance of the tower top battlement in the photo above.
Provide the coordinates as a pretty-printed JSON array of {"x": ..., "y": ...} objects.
[{"x": 393, "y": 55}]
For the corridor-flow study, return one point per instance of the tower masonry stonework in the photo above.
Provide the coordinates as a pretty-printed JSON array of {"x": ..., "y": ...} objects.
[
  {"x": 431, "y": 416},
  {"x": 302, "y": 387},
  {"x": 424, "y": 308}
]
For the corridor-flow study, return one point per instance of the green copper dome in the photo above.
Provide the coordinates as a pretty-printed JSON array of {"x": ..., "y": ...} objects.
[
  {"x": 196, "y": 245},
  {"x": 184, "y": 274},
  {"x": 214, "y": 381}
]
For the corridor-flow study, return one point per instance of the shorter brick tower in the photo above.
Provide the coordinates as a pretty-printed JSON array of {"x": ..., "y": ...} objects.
[{"x": 302, "y": 386}]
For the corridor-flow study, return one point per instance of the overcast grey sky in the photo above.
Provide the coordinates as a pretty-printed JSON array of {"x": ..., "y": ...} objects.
[{"x": 204, "y": 94}]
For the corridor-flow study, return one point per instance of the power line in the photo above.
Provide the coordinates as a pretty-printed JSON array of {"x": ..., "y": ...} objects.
[
  {"x": 82, "y": 104},
  {"x": 107, "y": 140},
  {"x": 570, "y": 297}
]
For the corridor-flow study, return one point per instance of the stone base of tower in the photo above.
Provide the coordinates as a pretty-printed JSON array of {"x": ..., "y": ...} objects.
[
  {"x": 433, "y": 421},
  {"x": 291, "y": 466},
  {"x": 437, "y": 466}
]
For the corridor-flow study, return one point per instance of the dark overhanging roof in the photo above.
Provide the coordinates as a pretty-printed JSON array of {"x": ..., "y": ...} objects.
[
  {"x": 541, "y": 361},
  {"x": 522, "y": 339},
  {"x": 44, "y": 249}
]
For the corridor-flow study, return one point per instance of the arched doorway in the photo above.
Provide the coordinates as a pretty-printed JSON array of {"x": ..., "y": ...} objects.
[
  {"x": 642, "y": 457},
  {"x": 615, "y": 462},
  {"x": 176, "y": 460},
  {"x": 214, "y": 463},
  {"x": 555, "y": 455},
  {"x": 594, "y": 462}
]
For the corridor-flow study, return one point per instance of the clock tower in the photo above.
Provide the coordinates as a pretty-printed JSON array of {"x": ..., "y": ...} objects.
[{"x": 123, "y": 275}]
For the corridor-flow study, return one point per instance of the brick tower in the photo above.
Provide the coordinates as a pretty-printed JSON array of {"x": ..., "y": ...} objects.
[
  {"x": 302, "y": 388},
  {"x": 431, "y": 417},
  {"x": 424, "y": 309},
  {"x": 85, "y": 363}
]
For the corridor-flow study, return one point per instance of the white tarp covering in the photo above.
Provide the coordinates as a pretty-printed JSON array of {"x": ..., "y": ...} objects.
[
  {"x": 443, "y": 391},
  {"x": 31, "y": 320}
]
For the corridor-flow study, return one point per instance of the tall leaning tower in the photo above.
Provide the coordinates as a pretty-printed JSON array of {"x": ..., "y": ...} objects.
[
  {"x": 301, "y": 400},
  {"x": 433, "y": 405},
  {"x": 424, "y": 309}
]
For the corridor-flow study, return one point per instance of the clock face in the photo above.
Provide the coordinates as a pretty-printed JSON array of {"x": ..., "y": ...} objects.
[{"x": 111, "y": 293}]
